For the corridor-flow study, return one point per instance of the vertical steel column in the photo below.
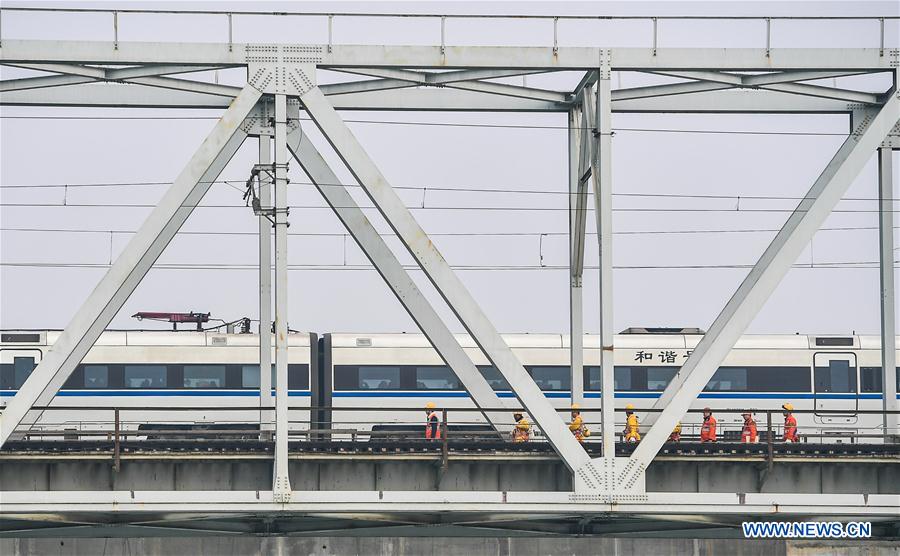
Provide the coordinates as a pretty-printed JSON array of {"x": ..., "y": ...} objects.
[
  {"x": 601, "y": 170},
  {"x": 282, "y": 485},
  {"x": 132, "y": 264},
  {"x": 265, "y": 285},
  {"x": 888, "y": 324},
  {"x": 576, "y": 262}
]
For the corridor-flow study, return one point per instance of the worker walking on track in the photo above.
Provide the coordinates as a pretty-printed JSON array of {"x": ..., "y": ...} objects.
[
  {"x": 748, "y": 433},
  {"x": 675, "y": 435},
  {"x": 577, "y": 424},
  {"x": 708, "y": 430},
  {"x": 632, "y": 432},
  {"x": 790, "y": 424},
  {"x": 522, "y": 431},
  {"x": 432, "y": 422}
]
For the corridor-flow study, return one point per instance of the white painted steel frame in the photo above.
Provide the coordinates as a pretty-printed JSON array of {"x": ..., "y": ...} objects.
[
  {"x": 395, "y": 276},
  {"x": 444, "y": 279},
  {"x": 886, "y": 275},
  {"x": 577, "y": 218},
  {"x": 265, "y": 285},
  {"x": 282, "y": 483},
  {"x": 423, "y": 503},
  {"x": 132, "y": 264},
  {"x": 762, "y": 280},
  {"x": 601, "y": 170},
  {"x": 454, "y": 57}
]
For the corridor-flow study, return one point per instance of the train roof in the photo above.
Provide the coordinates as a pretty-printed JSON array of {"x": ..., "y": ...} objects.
[
  {"x": 149, "y": 338},
  {"x": 415, "y": 340}
]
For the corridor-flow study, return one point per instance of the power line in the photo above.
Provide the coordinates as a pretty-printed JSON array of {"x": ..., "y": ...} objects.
[
  {"x": 457, "y": 124},
  {"x": 443, "y": 189},
  {"x": 447, "y": 208},
  {"x": 313, "y": 267},
  {"x": 441, "y": 234}
]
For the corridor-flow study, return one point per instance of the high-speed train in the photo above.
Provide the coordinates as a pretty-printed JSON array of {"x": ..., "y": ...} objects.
[{"x": 351, "y": 375}]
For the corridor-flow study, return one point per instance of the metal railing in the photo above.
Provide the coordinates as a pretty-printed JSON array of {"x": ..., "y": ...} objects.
[
  {"x": 229, "y": 17},
  {"x": 399, "y": 425}
]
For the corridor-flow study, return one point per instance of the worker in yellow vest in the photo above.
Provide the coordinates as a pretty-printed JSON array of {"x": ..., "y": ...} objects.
[
  {"x": 632, "y": 432},
  {"x": 577, "y": 424},
  {"x": 522, "y": 431}
]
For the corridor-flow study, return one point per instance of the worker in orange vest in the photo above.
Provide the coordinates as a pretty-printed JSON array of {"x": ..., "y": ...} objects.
[
  {"x": 748, "y": 433},
  {"x": 708, "y": 430},
  {"x": 790, "y": 424},
  {"x": 522, "y": 431},
  {"x": 632, "y": 427},
  {"x": 577, "y": 424},
  {"x": 675, "y": 435},
  {"x": 432, "y": 422}
]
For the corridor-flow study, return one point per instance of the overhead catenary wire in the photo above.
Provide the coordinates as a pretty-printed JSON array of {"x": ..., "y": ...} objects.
[
  {"x": 334, "y": 267},
  {"x": 456, "y": 124}
]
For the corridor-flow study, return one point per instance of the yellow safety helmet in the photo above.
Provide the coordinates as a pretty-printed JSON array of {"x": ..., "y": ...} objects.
[
  {"x": 788, "y": 406},
  {"x": 430, "y": 405},
  {"x": 576, "y": 406},
  {"x": 629, "y": 406}
]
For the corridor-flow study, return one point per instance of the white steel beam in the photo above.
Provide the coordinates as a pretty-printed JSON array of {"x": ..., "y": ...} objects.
[
  {"x": 282, "y": 484},
  {"x": 601, "y": 170},
  {"x": 135, "y": 96},
  {"x": 784, "y": 82},
  {"x": 445, "y": 280},
  {"x": 116, "y": 73},
  {"x": 265, "y": 285},
  {"x": 132, "y": 264},
  {"x": 437, "y": 78},
  {"x": 396, "y": 277},
  {"x": 577, "y": 218},
  {"x": 668, "y": 89},
  {"x": 397, "y": 78},
  {"x": 762, "y": 280},
  {"x": 452, "y": 57},
  {"x": 886, "y": 267}
]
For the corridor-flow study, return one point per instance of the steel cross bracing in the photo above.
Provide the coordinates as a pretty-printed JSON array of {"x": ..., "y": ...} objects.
[{"x": 131, "y": 74}]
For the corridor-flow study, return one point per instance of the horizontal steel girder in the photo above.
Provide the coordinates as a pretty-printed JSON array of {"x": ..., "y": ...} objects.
[
  {"x": 414, "y": 502},
  {"x": 461, "y": 57}
]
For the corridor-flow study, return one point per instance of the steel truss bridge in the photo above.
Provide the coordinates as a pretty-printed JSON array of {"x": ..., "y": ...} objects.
[{"x": 282, "y": 83}]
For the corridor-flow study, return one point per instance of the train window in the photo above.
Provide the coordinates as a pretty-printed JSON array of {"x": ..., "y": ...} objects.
[
  {"x": 436, "y": 378},
  {"x": 659, "y": 377},
  {"x": 298, "y": 377},
  {"x": 622, "y": 378},
  {"x": 838, "y": 377},
  {"x": 374, "y": 377},
  {"x": 204, "y": 376},
  {"x": 494, "y": 378},
  {"x": 96, "y": 376},
  {"x": 22, "y": 367},
  {"x": 870, "y": 379},
  {"x": 250, "y": 376},
  {"x": 778, "y": 379},
  {"x": 551, "y": 378},
  {"x": 145, "y": 376},
  {"x": 728, "y": 379}
]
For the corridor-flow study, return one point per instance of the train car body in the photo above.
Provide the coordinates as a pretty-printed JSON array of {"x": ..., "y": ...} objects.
[
  {"x": 761, "y": 373},
  {"x": 143, "y": 373}
]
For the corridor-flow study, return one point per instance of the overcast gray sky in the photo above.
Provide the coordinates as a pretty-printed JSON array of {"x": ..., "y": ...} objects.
[{"x": 41, "y": 284}]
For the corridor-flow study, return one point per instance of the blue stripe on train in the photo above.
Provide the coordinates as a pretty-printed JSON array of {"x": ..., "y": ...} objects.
[
  {"x": 161, "y": 393},
  {"x": 440, "y": 394}
]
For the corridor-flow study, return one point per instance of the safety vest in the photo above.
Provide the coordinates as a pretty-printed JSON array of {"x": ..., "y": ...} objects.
[
  {"x": 577, "y": 427},
  {"x": 632, "y": 433},
  {"x": 790, "y": 429},
  {"x": 748, "y": 433},
  {"x": 432, "y": 427},
  {"x": 708, "y": 430},
  {"x": 522, "y": 431},
  {"x": 675, "y": 436}
]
